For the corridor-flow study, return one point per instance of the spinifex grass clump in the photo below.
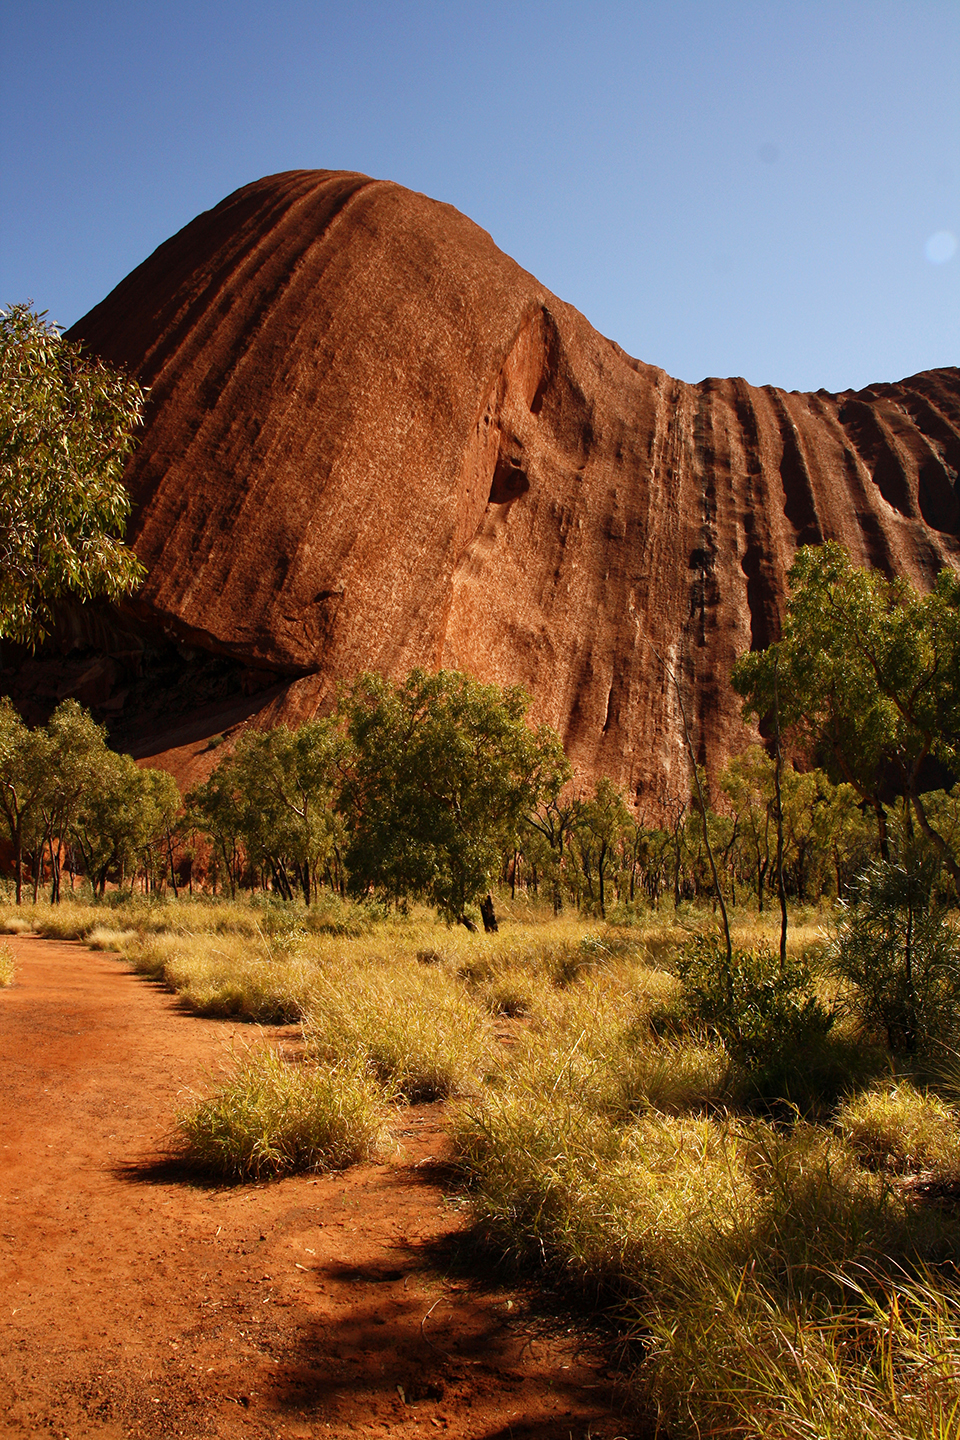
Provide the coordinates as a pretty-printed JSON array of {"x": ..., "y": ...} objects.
[
  {"x": 620, "y": 1151},
  {"x": 234, "y": 979},
  {"x": 69, "y": 921},
  {"x": 220, "y": 974},
  {"x": 555, "y": 1184},
  {"x": 8, "y": 966},
  {"x": 414, "y": 1024},
  {"x": 103, "y": 937},
  {"x": 897, "y": 1127},
  {"x": 14, "y": 925},
  {"x": 730, "y": 1249},
  {"x": 884, "y": 1365},
  {"x": 274, "y": 1116}
]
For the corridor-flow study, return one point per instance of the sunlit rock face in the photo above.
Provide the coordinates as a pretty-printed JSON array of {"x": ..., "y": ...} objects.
[{"x": 374, "y": 441}]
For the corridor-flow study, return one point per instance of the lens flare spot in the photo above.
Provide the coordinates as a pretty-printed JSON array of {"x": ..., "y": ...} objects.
[{"x": 941, "y": 247}]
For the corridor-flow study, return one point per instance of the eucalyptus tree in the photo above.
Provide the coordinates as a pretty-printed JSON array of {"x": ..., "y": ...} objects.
[
  {"x": 546, "y": 838},
  {"x": 218, "y": 809},
  {"x": 24, "y": 780},
  {"x": 124, "y": 820},
  {"x": 67, "y": 424},
  {"x": 441, "y": 775},
  {"x": 269, "y": 804},
  {"x": 287, "y": 780},
  {"x": 77, "y": 755},
  {"x": 747, "y": 783},
  {"x": 602, "y": 822},
  {"x": 867, "y": 674}
]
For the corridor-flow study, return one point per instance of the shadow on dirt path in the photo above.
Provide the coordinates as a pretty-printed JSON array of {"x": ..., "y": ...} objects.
[{"x": 136, "y": 1302}]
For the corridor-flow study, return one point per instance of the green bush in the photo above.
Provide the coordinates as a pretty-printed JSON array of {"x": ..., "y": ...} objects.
[
  {"x": 756, "y": 1006},
  {"x": 898, "y": 951}
]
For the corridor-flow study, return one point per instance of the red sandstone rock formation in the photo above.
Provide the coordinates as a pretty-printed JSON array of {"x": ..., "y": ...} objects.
[{"x": 373, "y": 441}]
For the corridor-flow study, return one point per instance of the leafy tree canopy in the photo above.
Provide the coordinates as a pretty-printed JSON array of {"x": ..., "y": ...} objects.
[
  {"x": 274, "y": 794},
  {"x": 868, "y": 674},
  {"x": 66, "y": 427},
  {"x": 442, "y": 773}
]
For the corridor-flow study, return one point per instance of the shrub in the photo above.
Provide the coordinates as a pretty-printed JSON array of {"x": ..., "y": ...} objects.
[
  {"x": 759, "y": 1009},
  {"x": 899, "y": 952},
  {"x": 274, "y": 1116}
]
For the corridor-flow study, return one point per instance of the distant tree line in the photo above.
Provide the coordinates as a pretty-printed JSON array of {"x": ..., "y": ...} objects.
[
  {"x": 68, "y": 801},
  {"x": 437, "y": 787}
]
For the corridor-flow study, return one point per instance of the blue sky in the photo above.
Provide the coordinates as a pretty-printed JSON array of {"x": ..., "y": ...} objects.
[{"x": 761, "y": 189}]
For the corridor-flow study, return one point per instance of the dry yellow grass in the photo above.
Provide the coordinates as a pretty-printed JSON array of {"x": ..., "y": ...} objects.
[
  {"x": 273, "y": 1116},
  {"x": 8, "y": 966},
  {"x": 784, "y": 1279}
]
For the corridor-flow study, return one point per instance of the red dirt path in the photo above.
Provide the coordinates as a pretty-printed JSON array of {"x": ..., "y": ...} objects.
[{"x": 136, "y": 1303}]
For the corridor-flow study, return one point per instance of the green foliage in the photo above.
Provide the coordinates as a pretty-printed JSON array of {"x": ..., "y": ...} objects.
[
  {"x": 62, "y": 789},
  {"x": 898, "y": 950},
  {"x": 25, "y": 761},
  {"x": 867, "y": 675},
  {"x": 442, "y": 773},
  {"x": 66, "y": 427},
  {"x": 600, "y": 825},
  {"x": 757, "y": 1008},
  {"x": 123, "y": 815},
  {"x": 270, "y": 804}
]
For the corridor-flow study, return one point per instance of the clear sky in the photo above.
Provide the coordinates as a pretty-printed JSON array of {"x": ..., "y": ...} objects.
[{"x": 766, "y": 188}]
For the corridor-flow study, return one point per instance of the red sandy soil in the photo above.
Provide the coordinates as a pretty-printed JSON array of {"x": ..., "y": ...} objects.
[{"x": 136, "y": 1302}]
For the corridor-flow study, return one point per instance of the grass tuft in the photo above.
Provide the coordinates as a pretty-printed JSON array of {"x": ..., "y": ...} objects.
[
  {"x": 15, "y": 925},
  {"x": 415, "y": 1025},
  {"x": 101, "y": 937},
  {"x": 8, "y": 966},
  {"x": 274, "y": 1117},
  {"x": 900, "y": 1129}
]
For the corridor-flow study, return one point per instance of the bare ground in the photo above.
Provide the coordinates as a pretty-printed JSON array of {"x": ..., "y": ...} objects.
[{"x": 135, "y": 1302}]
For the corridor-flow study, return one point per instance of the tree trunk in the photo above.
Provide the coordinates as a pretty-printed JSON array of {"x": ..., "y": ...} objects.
[
  {"x": 54, "y": 871},
  {"x": 489, "y": 916},
  {"x": 173, "y": 873},
  {"x": 601, "y": 866},
  {"x": 778, "y": 796},
  {"x": 936, "y": 840}
]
